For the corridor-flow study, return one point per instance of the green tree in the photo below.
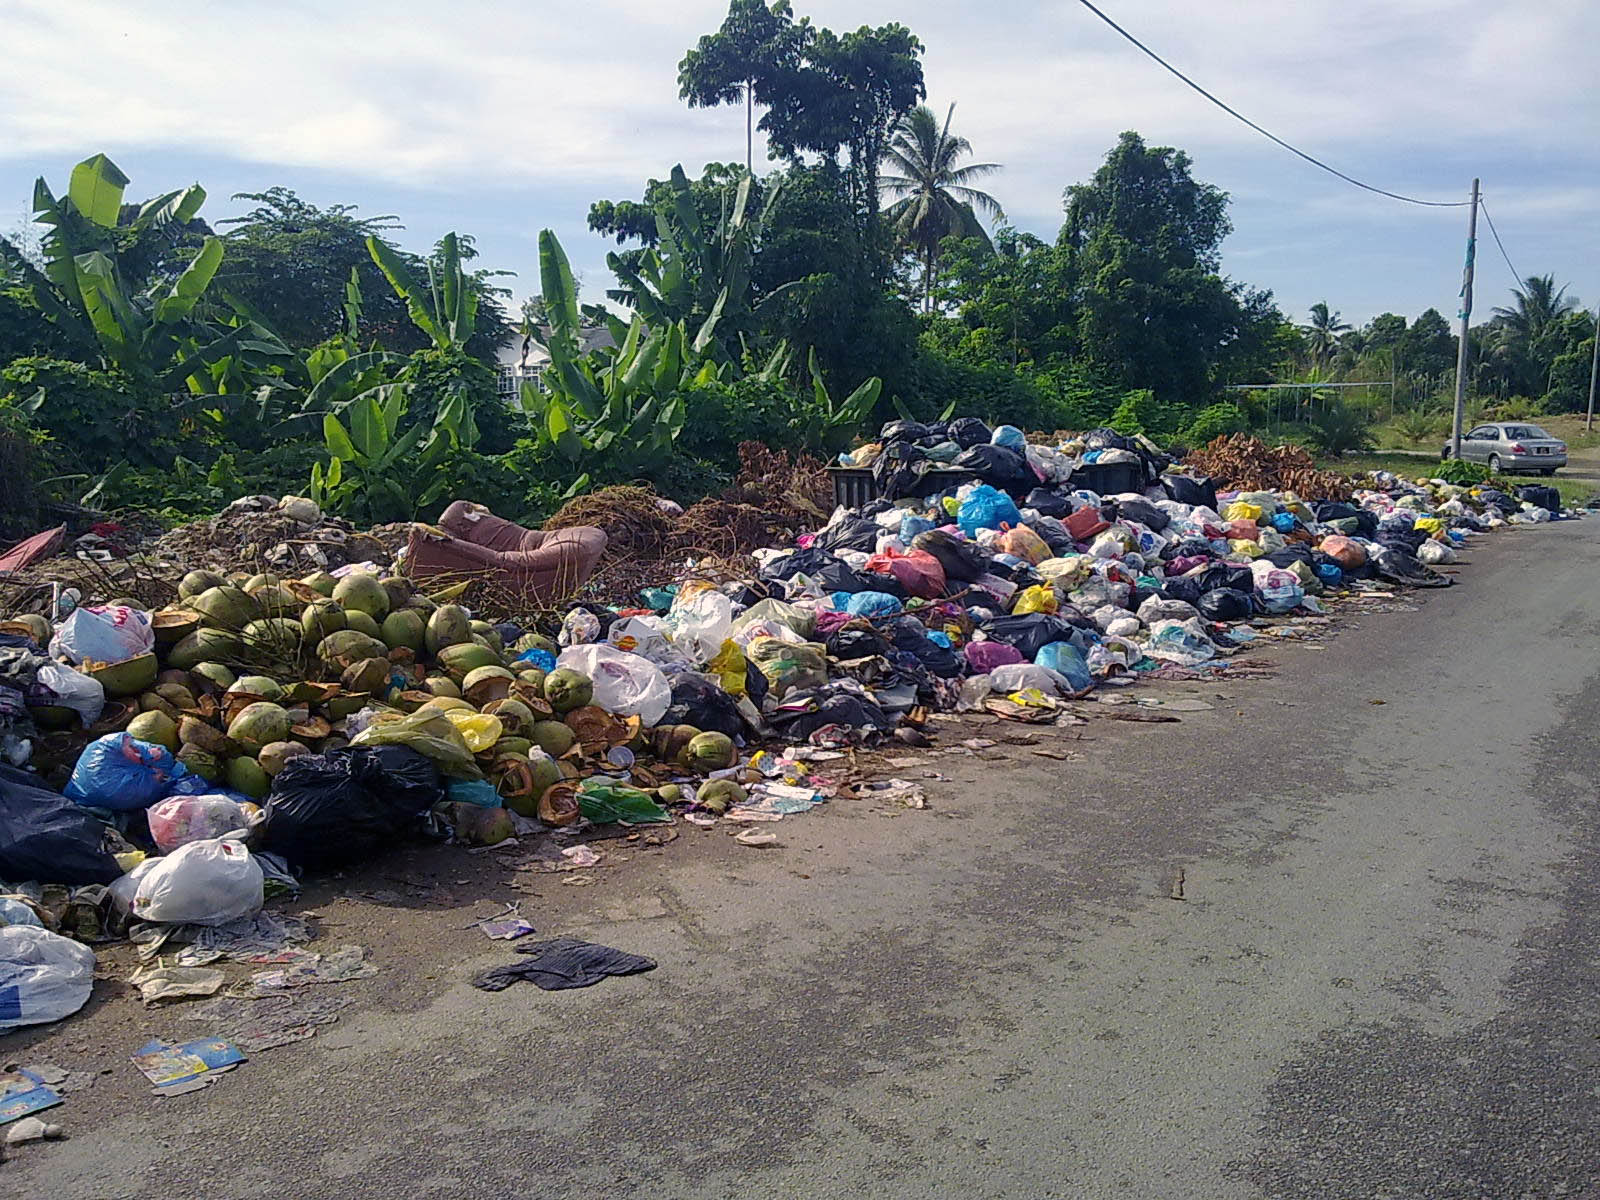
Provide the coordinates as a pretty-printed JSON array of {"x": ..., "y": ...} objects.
[
  {"x": 1323, "y": 332},
  {"x": 1385, "y": 331},
  {"x": 1428, "y": 347},
  {"x": 936, "y": 199},
  {"x": 755, "y": 48},
  {"x": 1144, "y": 238}
]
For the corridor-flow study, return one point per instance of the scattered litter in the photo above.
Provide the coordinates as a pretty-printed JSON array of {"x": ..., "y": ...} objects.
[
  {"x": 897, "y": 791},
  {"x": 176, "y": 983},
  {"x": 176, "y": 1069},
  {"x": 31, "y": 1129},
  {"x": 562, "y": 963},
  {"x": 259, "y": 1023},
  {"x": 759, "y": 838},
  {"x": 310, "y": 970},
  {"x": 25, "y": 1091}
]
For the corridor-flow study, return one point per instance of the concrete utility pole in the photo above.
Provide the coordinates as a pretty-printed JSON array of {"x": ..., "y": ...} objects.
[
  {"x": 1466, "y": 316},
  {"x": 1594, "y": 372}
]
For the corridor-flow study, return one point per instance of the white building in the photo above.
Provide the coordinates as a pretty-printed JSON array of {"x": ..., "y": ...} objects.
[{"x": 519, "y": 359}]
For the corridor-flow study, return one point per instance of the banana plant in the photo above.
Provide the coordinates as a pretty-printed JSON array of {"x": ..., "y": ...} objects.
[
  {"x": 368, "y": 457},
  {"x": 828, "y": 425},
  {"x": 165, "y": 337},
  {"x": 693, "y": 274}
]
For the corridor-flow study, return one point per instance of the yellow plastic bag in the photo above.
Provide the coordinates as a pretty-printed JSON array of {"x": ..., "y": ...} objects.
[
  {"x": 1431, "y": 525},
  {"x": 1036, "y": 599},
  {"x": 1244, "y": 548},
  {"x": 478, "y": 730},
  {"x": 427, "y": 731},
  {"x": 1240, "y": 511},
  {"x": 789, "y": 666},
  {"x": 727, "y": 668}
]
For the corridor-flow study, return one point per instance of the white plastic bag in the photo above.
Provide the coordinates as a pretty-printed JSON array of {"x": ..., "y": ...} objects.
[
  {"x": 74, "y": 690},
  {"x": 111, "y": 634},
  {"x": 700, "y": 622},
  {"x": 646, "y": 636},
  {"x": 624, "y": 683},
  {"x": 43, "y": 976},
  {"x": 1018, "y": 677},
  {"x": 1181, "y": 642},
  {"x": 208, "y": 882}
]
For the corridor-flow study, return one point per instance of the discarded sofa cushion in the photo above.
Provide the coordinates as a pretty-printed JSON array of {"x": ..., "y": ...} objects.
[{"x": 534, "y": 564}]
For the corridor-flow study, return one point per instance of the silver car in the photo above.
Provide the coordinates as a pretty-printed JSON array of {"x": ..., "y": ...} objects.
[{"x": 1511, "y": 446}]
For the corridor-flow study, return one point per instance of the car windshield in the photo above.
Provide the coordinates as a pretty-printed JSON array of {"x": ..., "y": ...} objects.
[{"x": 1525, "y": 431}]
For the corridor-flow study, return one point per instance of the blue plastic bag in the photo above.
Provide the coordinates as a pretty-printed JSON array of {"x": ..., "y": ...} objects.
[
  {"x": 120, "y": 772},
  {"x": 872, "y": 604},
  {"x": 910, "y": 526},
  {"x": 1010, "y": 437},
  {"x": 1067, "y": 661},
  {"x": 538, "y": 660},
  {"x": 473, "y": 791},
  {"x": 939, "y": 638},
  {"x": 1283, "y": 522},
  {"x": 1331, "y": 574},
  {"x": 986, "y": 508}
]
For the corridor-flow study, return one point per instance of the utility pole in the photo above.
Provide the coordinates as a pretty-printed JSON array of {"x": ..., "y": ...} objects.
[
  {"x": 1466, "y": 316},
  {"x": 1594, "y": 372}
]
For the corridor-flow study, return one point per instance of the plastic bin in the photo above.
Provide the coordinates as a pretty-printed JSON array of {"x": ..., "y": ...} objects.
[
  {"x": 855, "y": 486},
  {"x": 1109, "y": 479}
]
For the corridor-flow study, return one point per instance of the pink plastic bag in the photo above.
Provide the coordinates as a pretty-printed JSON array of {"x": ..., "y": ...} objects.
[
  {"x": 179, "y": 820},
  {"x": 919, "y": 572},
  {"x": 984, "y": 657}
]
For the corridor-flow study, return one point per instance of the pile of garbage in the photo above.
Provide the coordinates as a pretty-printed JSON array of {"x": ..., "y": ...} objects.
[{"x": 177, "y": 766}]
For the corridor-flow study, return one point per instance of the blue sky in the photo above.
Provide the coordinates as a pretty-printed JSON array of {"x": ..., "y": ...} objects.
[{"x": 499, "y": 120}]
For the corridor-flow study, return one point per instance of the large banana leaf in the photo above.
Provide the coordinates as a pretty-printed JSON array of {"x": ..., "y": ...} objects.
[
  {"x": 191, "y": 285},
  {"x": 346, "y": 373},
  {"x": 177, "y": 207},
  {"x": 95, "y": 190},
  {"x": 559, "y": 289},
  {"x": 406, "y": 287},
  {"x": 368, "y": 430},
  {"x": 337, "y": 440}
]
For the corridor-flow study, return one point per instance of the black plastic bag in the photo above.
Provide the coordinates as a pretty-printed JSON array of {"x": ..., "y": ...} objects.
[
  {"x": 1399, "y": 566},
  {"x": 832, "y": 572},
  {"x": 1144, "y": 513},
  {"x": 699, "y": 702},
  {"x": 850, "y": 533},
  {"x": 1225, "y": 604},
  {"x": 902, "y": 431},
  {"x": 1187, "y": 489},
  {"x": 1191, "y": 548},
  {"x": 1541, "y": 496},
  {"x": 46, "y": 838},
  {"x": 756, "y": 684},
  {"x": 1107, "y": 439},
  {"x": 899, "y": 470},
  {"x": 754, "y": 591},
  {"x": 1048, "y": 503},
  {"x": 999, "y": 468},
  {"x": 968, "y": 432},
  {"x": 1032, "y": 632},
  {"x": 911, "y": 636},
  {"x": 1292, "y": 553},
  {"x": 327, "y": 810},
  {"x": 855, "y": 640},
  {"x": 962, "y": 561},
  {"x": 834, "y": 704},
  {"x": 1189, "y": 588}
]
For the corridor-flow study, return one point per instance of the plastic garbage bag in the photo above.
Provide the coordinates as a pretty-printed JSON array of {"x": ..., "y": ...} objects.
[
  {"x": 1181, "y": 642},
  {"x": 983, "y": 657},
  {"x": 1435, "y": 553},
  {"x": 1158, "y": 608},
  {"x": 919, "y": 572},
  {"x": 626, "y": 684},
  {"x": 698, "y": 701},
  {"x": 46, "y": 837},
  {"x": 1067, "y": 661},
  {"x": 74, "y": 690},
  {"x": 430, "y": 733},
  {"x": 605, "y": 801},
  {"x": 1279, "y": 591},
  {"x": 1039, "y": 598},
  {"x": 800, "y": 621},
  {"x": 1399, "y": 566},
  {"x": 648, "y": 637},
  {"x": 120, "y": 772},
  {"x": 1225, "y": 604},
  {"x": 700, "y": 620},
  {"x": 999, "y": 467},
  {"x": 968, "y": 432},
  {"x": 1019, "y": 677},
  {"x": 1096, "y": 592},
  {"x": 984, "y": 507},
  {"x": 788, "y": 666},
  {"x": 109, "y": 635},
  {"x": 963, "y": 562},
  {"x": 1031, "y": 633},
  {"x": 179, "y": 820},
  {"x": 912, "y": 637},
  {"x": 1025, "y": 544},
  {"x": 577, "y": 627},
  {"x": 1010, "y": 437},
  {"x": 869, "y": 604},
  {"x": 43, "y": 976},
  {"x": 209, "y": 882},
  {"x": 327, "y": 810}
]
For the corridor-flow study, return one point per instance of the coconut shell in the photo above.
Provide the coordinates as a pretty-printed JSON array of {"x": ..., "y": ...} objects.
[
  {"x": 192, "y": 731},
  {"x": 368, "y": 675},
  {"x": 202, "y": 763},
  {"x": 558, "y": 805},
  {"x": 172, "y": 625}
]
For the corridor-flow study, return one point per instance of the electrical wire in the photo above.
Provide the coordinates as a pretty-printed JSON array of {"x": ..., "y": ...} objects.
[
  {"x": 1269, "y": 136},
  {"x": 1516, "y": 278}
]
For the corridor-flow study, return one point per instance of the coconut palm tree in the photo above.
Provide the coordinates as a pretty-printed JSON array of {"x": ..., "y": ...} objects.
[
  {"x": 1529, "y": 330},
  {"x": 935, "y": 196},
  {"x": 1322, "y": 335}
]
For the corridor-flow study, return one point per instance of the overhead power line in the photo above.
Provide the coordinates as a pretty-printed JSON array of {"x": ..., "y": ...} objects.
[
  {"x": 1236, "y": 114},
  {"x": 1516, "y": 278}
]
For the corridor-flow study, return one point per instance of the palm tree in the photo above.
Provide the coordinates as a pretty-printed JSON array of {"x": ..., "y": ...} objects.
[
  {"x": 1529, "y": 329},
  {"x": 1322, "y": 335},
  {"x": 936, "y": 200}
]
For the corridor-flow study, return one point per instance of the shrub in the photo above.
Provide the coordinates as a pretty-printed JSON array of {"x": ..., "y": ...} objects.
[
  {"x": 1458, "y": 470},
  {"x": 1218, "y": 420}
]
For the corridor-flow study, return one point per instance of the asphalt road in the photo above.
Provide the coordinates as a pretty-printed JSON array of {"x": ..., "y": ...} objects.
[{"x": 1380, "y": 981}]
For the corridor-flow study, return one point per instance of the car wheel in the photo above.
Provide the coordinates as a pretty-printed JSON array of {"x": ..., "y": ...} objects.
[
  {"x": 1547, "y": 470},
  {"x": 1444, "y": 455},
  {"x": 1494, "y": 464}
]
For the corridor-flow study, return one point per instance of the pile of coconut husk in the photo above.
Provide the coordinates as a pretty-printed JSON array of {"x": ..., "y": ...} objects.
[{"x": 1248, "y": 464}]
